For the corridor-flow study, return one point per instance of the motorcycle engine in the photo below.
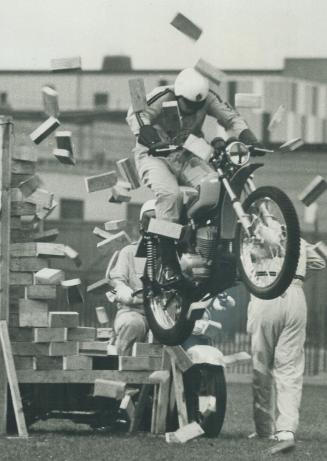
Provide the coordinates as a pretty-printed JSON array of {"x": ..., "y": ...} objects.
[{"x": 196, "y": 266}]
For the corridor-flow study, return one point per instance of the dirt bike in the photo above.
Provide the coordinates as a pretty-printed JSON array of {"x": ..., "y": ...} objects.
[{"x": 232, "y": 232}]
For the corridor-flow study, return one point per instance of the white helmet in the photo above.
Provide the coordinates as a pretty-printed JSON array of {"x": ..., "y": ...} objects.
[{"x": 191, "y": 85}]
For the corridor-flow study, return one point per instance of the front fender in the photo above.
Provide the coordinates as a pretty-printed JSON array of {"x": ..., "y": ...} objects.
[
  {"x": 228, "y": 216},
  {"x": 201, "y": 354}
]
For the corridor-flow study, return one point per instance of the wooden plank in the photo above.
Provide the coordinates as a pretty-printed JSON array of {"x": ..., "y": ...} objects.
[
  {"x": 50, "y": 101},
  {"x": 63, "y": 319},
  {"x": 137, "y": 94},
  {"x": 82, "y": 376},
  {"x": 177, "y": 353},
  {"x": 100, "y": 181},
  {"x": 12, "y": 379},
  {"x": 66, "y": 64},
  {"x": 41, "y": 292},
  {"x": 44, "y": 130},
  {"x": 33, "y": 313},
  {"x": 146, "y": 349},
  {"x": 128, "y": 171},
  {"x": 81, "y": 334},
  {"x": 28, "y": 348},
  {"x": 111, "y": 389},
  {"x": 49, "y": 276},
  {"x": 48, "y": 363},
  {"x": 165, "y": 228},
  {"x": 22, "y": 167},
  {"x": 46, "y": 335},
  {"x": 21, "y": 278},
  {"x": 186, "y": 26},
  {"x": 64, "y": 348},
  {"x": 24, "y": 264},
  {"x": 139, "y": 363},
  {"x": 163, "y": 395},
  {"x": 140, "y": 407},
  {"x": 179, "y": 395}
]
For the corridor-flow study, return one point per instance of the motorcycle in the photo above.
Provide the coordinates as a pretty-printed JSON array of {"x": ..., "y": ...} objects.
[{"x": 232, "y": 232}]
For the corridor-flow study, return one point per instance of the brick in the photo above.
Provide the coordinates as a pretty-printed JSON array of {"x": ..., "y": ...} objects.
[
  {"x": 64, "y": 348},
  {"x": 139, "y": 363},
  {"x": 119, "y": 194},
  {"x": 66, "y": 64},
  {"x": 21, "y": 278},
  {"x": 63, "y": 319},
  {"x": 46, "y": 335},
  {"x": 128, "y": 171},
  {"x": 23, "y": 363},
  {"x": 49, "y": 276},
  {"x": 78, "y": 362},
  {"x": 93, "y": 347},
  {"x": 64, "y": 156},
  {"x": 48, "y": 363},
  {"x": 165, "y": 228},
  {"x": 115, "y": 225},
  {"x": 46, "y": 236},
  {"x": 186, "y": 26},
  {"x": 50, "y": 101},
  {"x": 41, "y": 197},
  {"x": 24, "y": 155},
  {"x": 210, "y": 72},
  {"x": 22, "y": 167},
  {"x": 107, "y": 388},
  {"x": 137, "y": 94},
  {"x": 44, "y": 130},
  {"x": 28, "y": 348},
  {"x": 313, "y": 191},
  {"x": 22, "y": 208},
  {"x": 26, "y": 264},
  {"x": 21, "y": 334},
  {"x": 36, "y": 249},
  {"x": 291, "y": 145},
  {"x": 81, "y": 334},
  {"x": 41, "y": 292},
  {"x": 33, "y": 313},
  {"x": 101, "y": 314},
  {"x": 100, "y": 287},
  {"x": 100, "y": 181},
  {"x": 115, "y": 242},
  {"x": 101, "y": 233}
]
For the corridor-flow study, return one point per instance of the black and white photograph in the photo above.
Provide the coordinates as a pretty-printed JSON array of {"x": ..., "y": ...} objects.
[{"x": 163, "y": 230}]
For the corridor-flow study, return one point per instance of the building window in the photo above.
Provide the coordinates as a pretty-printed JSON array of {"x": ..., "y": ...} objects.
[
  {"x": 314, "y": 101},
  {"x": 293, "y": 97},
  {"x": 71, "y": 209},
  {"x": 101, "y": 101},
  {"x": 3, "y": 98}
]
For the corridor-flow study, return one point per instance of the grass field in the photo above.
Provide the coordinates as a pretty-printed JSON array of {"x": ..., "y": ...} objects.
[{"x": 60, "y": 440}]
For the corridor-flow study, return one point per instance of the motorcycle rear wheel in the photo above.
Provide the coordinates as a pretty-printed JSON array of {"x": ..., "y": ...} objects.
[{"x": 268, "y": 259}]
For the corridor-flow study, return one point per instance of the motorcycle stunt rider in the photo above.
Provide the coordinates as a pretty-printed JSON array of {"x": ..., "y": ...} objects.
[{"x": 164, "y": 174}]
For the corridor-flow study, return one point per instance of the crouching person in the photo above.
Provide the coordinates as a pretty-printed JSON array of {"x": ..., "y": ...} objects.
[
  {"x": 277, "y": 329},
  {"x": 130, "y": 325}
]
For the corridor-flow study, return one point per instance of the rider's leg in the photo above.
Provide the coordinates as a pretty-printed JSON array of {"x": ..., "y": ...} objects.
[{"x": 130, "y": 327}]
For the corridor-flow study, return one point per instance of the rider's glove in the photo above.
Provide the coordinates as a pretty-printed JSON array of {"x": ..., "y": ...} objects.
[
  {"x": 124, "y": 294},
  {"x": 218, "y": 145},
  {"x": 248, "y": 138},
  {"x": 148, "y": 136}
]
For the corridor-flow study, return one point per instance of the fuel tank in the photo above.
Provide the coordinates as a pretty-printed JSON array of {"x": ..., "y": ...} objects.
[{"x": 208, "y": 198}]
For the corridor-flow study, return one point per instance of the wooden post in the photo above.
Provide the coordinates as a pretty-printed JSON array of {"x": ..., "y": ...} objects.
[{"x": 6, "y": 136}]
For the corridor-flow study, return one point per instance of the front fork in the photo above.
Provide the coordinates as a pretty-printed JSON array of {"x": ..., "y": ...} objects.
[{"x": 242, "y": 216}]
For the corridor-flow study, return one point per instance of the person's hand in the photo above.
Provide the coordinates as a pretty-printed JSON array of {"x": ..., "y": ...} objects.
[
  {"x": 124, "y": 294},
  {"x": 219, "y": 145}
]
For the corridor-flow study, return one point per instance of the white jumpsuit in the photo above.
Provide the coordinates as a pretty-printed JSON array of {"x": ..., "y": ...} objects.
[{"x": 278, "y": 329}]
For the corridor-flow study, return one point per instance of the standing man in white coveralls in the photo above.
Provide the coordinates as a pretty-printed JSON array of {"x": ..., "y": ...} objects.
[
  {"x": 164, "y": 174},
  {"x": 278, "y": 329}
]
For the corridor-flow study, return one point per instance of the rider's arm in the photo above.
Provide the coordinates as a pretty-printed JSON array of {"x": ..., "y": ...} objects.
[
  {"x": 229, "y": 118},
  {"x": 152, "y": 111}
]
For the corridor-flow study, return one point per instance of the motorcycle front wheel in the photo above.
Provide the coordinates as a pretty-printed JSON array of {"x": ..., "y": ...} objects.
[
  {"x": 203, "y": 382},
  {"x": 268, "y": 256}
]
